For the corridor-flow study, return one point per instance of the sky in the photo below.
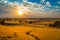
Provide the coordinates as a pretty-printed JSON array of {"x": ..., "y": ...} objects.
[{"x": 30, "y": 8}]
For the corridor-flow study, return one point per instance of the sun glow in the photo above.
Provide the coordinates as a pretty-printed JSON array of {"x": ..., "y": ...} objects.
[{"x": 20, "y": 12}]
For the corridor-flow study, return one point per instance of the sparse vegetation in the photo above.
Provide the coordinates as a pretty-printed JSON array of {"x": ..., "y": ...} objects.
[
  {"x": 8, "y": 37},
  {"x": 55, "y": 24},
  {"x": 2, "y": 21},
  {"x": 20, "y": 21},
  {"x": 30, "y": 22}
]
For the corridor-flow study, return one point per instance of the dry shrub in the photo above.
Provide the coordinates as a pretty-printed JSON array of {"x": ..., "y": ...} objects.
[{"x": 55, "y": 24}]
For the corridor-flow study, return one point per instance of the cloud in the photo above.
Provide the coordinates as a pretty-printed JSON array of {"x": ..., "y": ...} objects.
[
  {"x": 56, "y": 7},
  {"x": 42, "y": 1},
  {"x": 58, "y": 2},
  {"x": 31, "y": 6},
  {"x": 48, "y": 4},
  {"x": 25, "y": 1},
  {"x": 6, "y": 8},
  {"x": 30, "y": 9},
  {"x": 3, "y": 1}
]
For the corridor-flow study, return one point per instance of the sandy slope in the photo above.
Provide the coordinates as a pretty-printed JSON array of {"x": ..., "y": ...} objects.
[{"x": 28, "y": 33}]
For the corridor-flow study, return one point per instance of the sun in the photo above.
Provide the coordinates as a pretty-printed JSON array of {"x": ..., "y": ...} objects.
[{"x": 20, "y": 12}]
